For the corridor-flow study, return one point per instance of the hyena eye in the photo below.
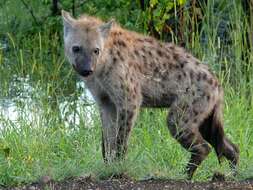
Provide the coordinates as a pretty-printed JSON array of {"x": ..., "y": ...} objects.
[
  {"x": 76, "y": 49},
  {"x": 96, "y": 51}
]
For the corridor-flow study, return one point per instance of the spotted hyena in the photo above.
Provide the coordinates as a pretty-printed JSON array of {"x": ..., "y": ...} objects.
[{"x": 125, "y": 71}]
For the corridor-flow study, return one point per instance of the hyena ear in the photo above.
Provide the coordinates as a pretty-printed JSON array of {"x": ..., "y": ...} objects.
[
  {"x": 68, "y": 22},
  {"x": 105, "y": 28}
]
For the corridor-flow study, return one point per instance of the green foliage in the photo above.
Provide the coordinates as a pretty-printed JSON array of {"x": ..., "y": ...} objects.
[{"x": 157, "y": 13}]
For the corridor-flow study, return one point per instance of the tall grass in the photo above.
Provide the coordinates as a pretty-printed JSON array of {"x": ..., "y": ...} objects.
[{"x": 35, "y": 77}]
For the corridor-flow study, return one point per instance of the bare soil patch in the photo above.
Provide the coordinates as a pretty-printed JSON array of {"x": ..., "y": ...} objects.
[{"x": 88, "y": 183}]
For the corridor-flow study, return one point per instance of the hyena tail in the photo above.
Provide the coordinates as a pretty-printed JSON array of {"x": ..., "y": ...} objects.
[
  {"x": 222, "y": 145},
  {"x": 213, "y": 132}
]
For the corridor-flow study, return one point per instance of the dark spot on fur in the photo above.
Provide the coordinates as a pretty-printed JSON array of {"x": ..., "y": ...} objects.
[
  {"x": 138, "y": 67},
  {"x": 198, "y": 76},
  {"x": 120, "y": 56},
  {"x": 191, "y": 74},
  {"x": 156, "y": 70},
  {"x": 210, "y": 81},
  {"x": 164, "y": 77},
  {"x": 175, "y": 56},
  {"x": 167, "y": 56},
  {"x": 136, "y": 52},
  {"x": 121, "y": 78},
  {"x": 182, "y": 64},
  {"x": 208, "y": 97},
  {"x": 122, "y": 43},
  {"x": 122, "y": 117},
  {"x": 193, "y": 93},
  {"x": 114, "y": 60},
  {"x": 135, "y": 90},
  {"x": 159, "y": 52},
  {"x": 118, "y": 52},
  {"x": 195, "y": 120},
  {"x": 172, "y": 48},
  {"x": 184, "y": 73},
  {"x": 204, "y": 76},
  {"x": 117, "y": 33},
  {"x": 186, "y": 120},
  {"x": 197, "y": 62},
  {"x": 179, "y": 77},
  {"x": 149, "y": 40},
  {"x": 144, "y": 59}
]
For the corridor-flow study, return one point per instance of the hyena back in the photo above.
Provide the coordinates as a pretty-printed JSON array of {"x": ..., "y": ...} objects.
[{"x": 125, "y": 71}]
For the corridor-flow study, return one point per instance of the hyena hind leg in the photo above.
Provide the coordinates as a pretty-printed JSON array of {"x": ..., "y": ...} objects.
[
  {"x": 212, "y": 131},
  {"x": 192, "y": 141}
]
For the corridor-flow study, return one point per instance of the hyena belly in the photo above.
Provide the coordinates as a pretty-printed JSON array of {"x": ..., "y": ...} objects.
[{"x": 157, "y": 97}]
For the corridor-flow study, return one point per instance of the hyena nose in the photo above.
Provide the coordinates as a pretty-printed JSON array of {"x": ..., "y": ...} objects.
[{"x": 85, "y": 73}]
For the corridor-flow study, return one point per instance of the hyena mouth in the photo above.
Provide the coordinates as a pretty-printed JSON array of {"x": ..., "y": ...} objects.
[{"x": 83, "y": 73}]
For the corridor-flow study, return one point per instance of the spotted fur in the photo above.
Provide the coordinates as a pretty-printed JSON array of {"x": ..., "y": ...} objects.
[{"x": 133, "y": 71}]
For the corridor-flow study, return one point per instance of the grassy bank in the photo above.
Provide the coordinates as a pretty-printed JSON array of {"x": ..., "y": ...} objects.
[{"x": 49, "y": 127}]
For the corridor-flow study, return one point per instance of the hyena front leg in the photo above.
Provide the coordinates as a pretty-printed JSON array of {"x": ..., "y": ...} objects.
[
  {"x": 183, "y": 127},
  {"x": 117, "y": 124},
  {"x": 126, "y": 119},
  {"x": 108, "y": 116},
  {"x": 118, "y": 118}
]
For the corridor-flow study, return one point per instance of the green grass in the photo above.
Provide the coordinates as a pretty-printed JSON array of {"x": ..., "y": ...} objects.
[{"x": 35, "y": 77}]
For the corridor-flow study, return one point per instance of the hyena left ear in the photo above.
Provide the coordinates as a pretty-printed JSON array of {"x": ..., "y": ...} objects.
[
  {"x": 68, "y": 21},
  {"x": 104, "y": 29}
]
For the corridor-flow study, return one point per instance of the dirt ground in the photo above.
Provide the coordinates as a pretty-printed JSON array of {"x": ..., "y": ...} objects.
[{"x": 124, "y": 183}]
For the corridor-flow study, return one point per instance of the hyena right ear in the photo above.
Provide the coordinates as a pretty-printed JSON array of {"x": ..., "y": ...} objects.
[
  {"x": 68, "y": 22},
  {"x": 104, "y": 29}
]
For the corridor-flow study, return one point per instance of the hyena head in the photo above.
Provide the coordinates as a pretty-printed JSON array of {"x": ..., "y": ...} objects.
[{"x": 84, "y": 42}]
